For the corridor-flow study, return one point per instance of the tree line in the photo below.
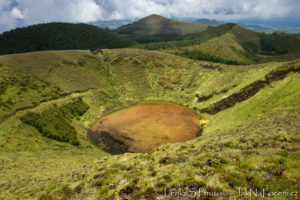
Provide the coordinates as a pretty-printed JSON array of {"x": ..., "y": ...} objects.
[{"x": 59, "y": 36}]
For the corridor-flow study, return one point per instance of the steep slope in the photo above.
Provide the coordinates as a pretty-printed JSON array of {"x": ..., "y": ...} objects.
[
  {"x": 252, "y": 144},
  {"x": 59, "y": 36},
  {"x": 232, "y": 44},
  {"x": 32, "y": 78},
  {"x": 158, "y": 25}
]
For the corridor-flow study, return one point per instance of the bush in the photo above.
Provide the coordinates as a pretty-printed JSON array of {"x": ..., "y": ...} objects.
[
  {"x": 199, "y": 55},
  {"x": 3, "y": 87},
  {"x": 158, "y": 38},
  {"x": 54, "y": 122},
  {"x": 279, "y": 43},
  {"x": 250, "y": 47}
]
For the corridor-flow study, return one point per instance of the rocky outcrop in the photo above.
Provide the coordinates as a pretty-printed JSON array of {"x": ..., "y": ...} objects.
[{"x": 206, "y": 97}]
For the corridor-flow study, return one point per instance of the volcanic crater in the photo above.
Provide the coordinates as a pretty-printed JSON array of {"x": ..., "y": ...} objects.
[{"x": 144, "y": 127}]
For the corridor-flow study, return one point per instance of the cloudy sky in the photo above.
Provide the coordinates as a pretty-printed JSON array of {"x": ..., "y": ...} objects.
[{"x": 15, "y": 13}]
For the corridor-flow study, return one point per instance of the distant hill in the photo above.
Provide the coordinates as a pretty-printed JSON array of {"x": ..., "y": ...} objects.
[
  {"x": 258, "y": 26},
  {"x": 112, "y": 24},
  {"x": 232, "y": 44},
  {"x": 158, "y": 25},
  {"x": 252, "y": 25},
  {"x": 59, "y": 36},
  {"x": 270, "y": 29},
  {"x": 207, "y": 21}
]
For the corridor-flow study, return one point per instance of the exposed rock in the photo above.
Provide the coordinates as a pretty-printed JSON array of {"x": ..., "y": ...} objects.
[{"x": 250, "y": 90}]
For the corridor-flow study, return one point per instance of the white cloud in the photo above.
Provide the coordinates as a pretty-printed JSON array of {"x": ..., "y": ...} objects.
[
  {"x": 16, "y": 13},
  {"x": 5, "y": 4},
  {"x": 220, "y": 9},
  {"x": 9, "y": 18},
  {"x": 36, "y": 11},
  {"x": 13, "y": 12},
  {"x": 84, "y": 11}
]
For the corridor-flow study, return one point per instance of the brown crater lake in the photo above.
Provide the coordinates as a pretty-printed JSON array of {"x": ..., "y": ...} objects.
[{"x": 144, "y": 127}]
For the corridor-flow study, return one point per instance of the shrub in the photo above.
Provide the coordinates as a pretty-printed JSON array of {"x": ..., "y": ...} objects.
[
  {"x": 54, "y": 122},
  {"x": 279, "y": 42},
  {"x": 3, "y": 87},
  {"x": 199, "y": 55},
  {"x": 250, "y": 47}
]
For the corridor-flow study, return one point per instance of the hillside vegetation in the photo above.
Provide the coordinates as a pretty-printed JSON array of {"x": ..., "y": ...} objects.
[
  {"x": 59, "y": 36},
  {"x": 227, "y": 43},
  {"x": 231, "y": 44},
  {"x": 158, "y": 25},
  {"x": 252, "y": 141},
  {"x": 54, "y": 121}
]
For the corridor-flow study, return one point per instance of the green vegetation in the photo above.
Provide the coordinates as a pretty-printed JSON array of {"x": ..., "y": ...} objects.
[
  {"x": 159, "y": 38},
  {"x": 158, "y": 25},
  {"x": 59, "y": 36},
  {"x": 54, "y": 121},
  {"x": 199, "y": 55},
  {"x": 280, "y": 43},
  {"x": 35, "y": 78},
  {"x": 250, "y": 46},
  {"x": 253, "y": 144},
  {"x": 189, "y": 40},
  {"x": 229, "y": 44},
  {"x": 226, "y": 43}
]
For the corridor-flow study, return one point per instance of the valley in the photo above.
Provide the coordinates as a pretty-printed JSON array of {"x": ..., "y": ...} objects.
[
  {"x": 138, "y": 117},
  {"x": 230, "y": 142}
]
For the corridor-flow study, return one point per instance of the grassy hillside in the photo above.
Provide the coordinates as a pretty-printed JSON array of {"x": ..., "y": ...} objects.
[
  {"x": 231, "y": 44},
  {"x": 59, "y": 36},
  {"x": 32, "y": 78},
  {"x": 252, "y": 141},
  {"x": 158, "y": 25}
]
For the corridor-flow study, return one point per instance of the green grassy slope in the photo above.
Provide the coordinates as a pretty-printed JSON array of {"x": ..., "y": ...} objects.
[
  {"x": 158, "y": 25},
  {"x": 252, "y": 144},
  {"x": 231, "y": 44},
  {"x": 28, "y": 79},
  {"x": 59, "y": 36}
]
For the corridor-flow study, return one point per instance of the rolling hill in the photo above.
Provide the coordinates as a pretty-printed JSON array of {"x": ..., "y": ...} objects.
[
  {"x": 232, "y": 44},
  {"x": 158, "y": 25},
  {"x": 227, "y": 43},
  {"x": 59, "y": 36},
  {"x": 249, "y": 113},
  {"x": 256, "y": 26}
]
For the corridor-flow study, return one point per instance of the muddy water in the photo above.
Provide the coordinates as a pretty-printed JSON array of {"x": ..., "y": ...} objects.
[{"x": 145, "y": 127}]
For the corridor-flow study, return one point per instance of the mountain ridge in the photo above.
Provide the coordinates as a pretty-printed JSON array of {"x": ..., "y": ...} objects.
[
  {"x": 229, "y": 43},
  {"x": 156, "y": 25}
]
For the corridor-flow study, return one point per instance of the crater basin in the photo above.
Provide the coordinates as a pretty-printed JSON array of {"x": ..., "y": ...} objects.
[{"x": 144, "y": 127}]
